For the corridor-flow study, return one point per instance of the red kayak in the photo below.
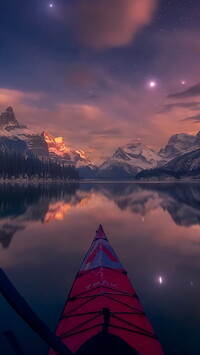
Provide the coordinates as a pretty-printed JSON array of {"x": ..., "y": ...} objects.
[{"x": 103, "y": 314}]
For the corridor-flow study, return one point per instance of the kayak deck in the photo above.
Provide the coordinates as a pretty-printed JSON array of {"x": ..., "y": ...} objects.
[{"x": 103, "y": 313}]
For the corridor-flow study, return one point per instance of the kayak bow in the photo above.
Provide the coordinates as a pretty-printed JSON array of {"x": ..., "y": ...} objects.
[{"x": 103, "y": 314}]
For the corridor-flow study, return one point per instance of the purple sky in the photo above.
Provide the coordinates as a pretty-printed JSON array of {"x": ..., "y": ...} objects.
[{"x": 82, "y": 70}]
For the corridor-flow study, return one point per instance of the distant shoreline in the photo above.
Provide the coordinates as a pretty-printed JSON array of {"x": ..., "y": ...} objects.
[
  {"x": 93, "y": 181},
  {"x": 140, "y": 182},
  {"x": 42, "y": 181}
]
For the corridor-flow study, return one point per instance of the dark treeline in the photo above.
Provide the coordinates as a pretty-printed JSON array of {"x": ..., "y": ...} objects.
[{"x": 16, "y": 166}]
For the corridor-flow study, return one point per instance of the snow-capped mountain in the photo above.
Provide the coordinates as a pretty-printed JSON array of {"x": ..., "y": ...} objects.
[
  {"x": 197, "y": 140},
  {"x": 186, "y": 162},
  {"x": 181, "y": 155},
  {"x": 180, "y": 159},
  {"x": 15, "y": 137},
  {"x": 127, "y": 161},
  {"x": 57, "y": 148},
  {"x": 8, "y": 119},
  {"x": 185, "y": 166},
  {"x": 132, "y": 159},
  {"x": 177, "y": 145},
  {"x": 58, "y": 151}
]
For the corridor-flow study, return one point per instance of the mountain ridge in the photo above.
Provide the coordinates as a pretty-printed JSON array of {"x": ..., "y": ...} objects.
[
  {"x": 132, "y": 161},
  {"x": 58, "y": 151},
  {"x": 15, "y": 137}
]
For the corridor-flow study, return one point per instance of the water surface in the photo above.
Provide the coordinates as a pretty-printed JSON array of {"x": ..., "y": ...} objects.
[{"x": 46, "y": 229}]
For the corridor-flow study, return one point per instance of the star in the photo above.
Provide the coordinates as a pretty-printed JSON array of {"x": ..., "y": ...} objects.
[
  {"x": 183, "y": 82},
  {"x": 160, "y": 280},
  {"x": 152, "y": 84},
  {"x": 50, "y": 5}
]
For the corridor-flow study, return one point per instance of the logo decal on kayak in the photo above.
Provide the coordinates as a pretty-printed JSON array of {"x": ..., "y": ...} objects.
[{"x": 101, "y": 283}]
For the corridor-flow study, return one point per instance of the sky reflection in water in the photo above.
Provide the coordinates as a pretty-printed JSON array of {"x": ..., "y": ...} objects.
[{"x": 45, "y": 231}]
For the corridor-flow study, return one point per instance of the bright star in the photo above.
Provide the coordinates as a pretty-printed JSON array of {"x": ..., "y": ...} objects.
[
  {"x": 160, "y": 280},
  {"x": 183, "y": 82},
  {"x": 50, "y": 5},
  {"x": 152, "y": 84}
]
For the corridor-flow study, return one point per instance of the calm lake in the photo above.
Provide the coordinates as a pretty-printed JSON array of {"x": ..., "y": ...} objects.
[{"x": 45, "y": 231}]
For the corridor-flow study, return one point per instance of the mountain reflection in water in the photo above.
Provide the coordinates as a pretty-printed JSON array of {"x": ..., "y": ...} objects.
[
  {"x": 46, "y": 229},
  {"x": 47, "y": 202}
]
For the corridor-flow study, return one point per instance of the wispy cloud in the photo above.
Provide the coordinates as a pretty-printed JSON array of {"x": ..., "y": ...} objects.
[
  {"x": 170, "y": 107},
  {"x": 109, "y": 132},
  {"x": 194, "y": 119},
  {"x": 190, "y": 92}
]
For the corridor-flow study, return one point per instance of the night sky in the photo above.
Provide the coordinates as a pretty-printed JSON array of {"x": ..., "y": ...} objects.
[{"x": 102, "y": 73}]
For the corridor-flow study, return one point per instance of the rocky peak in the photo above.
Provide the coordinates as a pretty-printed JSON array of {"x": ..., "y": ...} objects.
[
  {"x": 80, "y": 156},
  {"x": 135, "y": 145},
  {"x": 8, "y": 118},
  {"x": 56, "y": 145},
  {"x": 178, "y": 144},
  {"x": 181, "y": 137},
  {"x": 120, "y": 154},
  {"x": 18, "y": 138},
  {"x": 142, "y": 152},
  {"x": 135, "y": 148},
  {"x": 58, "y": 150},
  {"x": 9, "y": 109},
  {"x": 47, "y": 137},
  {"x": 197, "y": 139}
]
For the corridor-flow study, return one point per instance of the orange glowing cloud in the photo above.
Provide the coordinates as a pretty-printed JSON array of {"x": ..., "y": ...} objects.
[{"x": 110, "y": 23}]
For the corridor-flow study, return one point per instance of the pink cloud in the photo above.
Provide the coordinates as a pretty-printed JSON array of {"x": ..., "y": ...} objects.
[
  {"x": 100, "y": 126},
  {"x": 110, "y": 23},
  {"x": 8, "y": 96}
]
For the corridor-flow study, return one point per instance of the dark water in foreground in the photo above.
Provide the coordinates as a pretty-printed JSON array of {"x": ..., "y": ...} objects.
[{"x": 45, "y": 231}]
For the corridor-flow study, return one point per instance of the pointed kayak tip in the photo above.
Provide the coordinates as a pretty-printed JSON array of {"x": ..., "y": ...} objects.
[{"x": 100, "y": 234}]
